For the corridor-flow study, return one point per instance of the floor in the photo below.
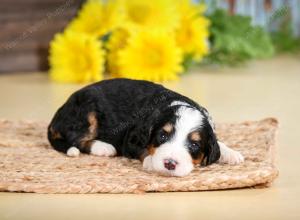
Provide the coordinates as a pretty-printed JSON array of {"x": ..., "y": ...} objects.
[{"x": 261, "y": 89}]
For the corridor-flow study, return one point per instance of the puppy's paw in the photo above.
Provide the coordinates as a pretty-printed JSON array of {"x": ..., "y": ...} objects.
[
  {"x": 100, "y": 148},
  {"x": 147, "y": 163},
  {"x": 231, "y": 157},
  {"x": 73, "y": 152}
]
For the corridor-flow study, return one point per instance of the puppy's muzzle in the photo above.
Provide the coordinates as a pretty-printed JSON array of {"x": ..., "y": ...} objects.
[{"x": 170, "y": 164}]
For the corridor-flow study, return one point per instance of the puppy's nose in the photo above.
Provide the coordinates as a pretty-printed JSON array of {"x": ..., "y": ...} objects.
[{"x": 170, "y": 164}]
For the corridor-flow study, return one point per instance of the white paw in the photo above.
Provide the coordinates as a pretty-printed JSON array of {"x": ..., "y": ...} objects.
[
  {"x": 147, "y": 163},
  {"x": 100, "y": 148},
  {"x": 231, "y": 157},
  {"x": 73, "y": 152}
]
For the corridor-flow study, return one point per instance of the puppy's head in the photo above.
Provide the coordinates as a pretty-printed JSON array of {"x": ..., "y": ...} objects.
[{"x": 181, "y": 139}]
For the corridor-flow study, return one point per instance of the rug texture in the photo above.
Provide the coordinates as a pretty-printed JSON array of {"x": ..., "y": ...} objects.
[{"x": 29, "y": 164}]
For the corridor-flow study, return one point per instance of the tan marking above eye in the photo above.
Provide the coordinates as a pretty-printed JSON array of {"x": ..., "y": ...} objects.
[
  {"x": 195, "y": 136},
  {"x": 168, "y": 127}
]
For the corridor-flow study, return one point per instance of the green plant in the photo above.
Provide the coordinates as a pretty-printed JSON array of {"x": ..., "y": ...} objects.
[
  {"x": 234, "y": 40},
  {"x": 284, "y": 41},
  {"x": 283, "y": 38}
]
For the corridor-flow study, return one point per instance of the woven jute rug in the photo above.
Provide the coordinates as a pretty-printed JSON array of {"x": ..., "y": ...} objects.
[{"x": 29, "y": 164}]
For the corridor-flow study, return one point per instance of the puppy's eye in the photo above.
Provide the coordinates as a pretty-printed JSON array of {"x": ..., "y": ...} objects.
[
  {"x": 195, "y": 146},
  {"x": 163, "y": 137}
]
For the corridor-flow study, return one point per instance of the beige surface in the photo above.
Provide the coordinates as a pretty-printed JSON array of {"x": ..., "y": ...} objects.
[
  {"x": 264, "y": 88},
  {"x": 29, "y": 164}
]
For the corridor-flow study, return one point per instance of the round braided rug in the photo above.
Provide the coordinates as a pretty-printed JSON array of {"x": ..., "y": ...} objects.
[{"x": 29, "y": 164}]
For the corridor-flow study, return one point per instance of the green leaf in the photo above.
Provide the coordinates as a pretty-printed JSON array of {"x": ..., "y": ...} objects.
[{"x": 234, "y": 40}]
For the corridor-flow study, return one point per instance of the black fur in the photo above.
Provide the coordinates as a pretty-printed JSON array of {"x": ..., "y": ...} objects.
[
  {"x": 128, "y": 113},
  {"x": 211, "y": 149}
]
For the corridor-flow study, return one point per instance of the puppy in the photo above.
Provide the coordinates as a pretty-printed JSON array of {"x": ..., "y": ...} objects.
[{"x": 168, "y": 132}]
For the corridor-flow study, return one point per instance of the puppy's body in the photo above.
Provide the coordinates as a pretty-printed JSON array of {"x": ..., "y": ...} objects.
[{"x": 136, "y": 119}]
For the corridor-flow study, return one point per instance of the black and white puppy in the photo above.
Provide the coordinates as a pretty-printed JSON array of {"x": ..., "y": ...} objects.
[{"x": 168, "y": 132}]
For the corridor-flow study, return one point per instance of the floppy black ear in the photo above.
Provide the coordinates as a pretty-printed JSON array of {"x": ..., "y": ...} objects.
[
  {"x": 138, "y": 136},
  {"x": 212, "y": 147}
]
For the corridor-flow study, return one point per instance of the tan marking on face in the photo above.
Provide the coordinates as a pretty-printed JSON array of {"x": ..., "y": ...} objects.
[
  {"x": 143, "y": 155},
  {"x": 151, "y": 149},
  {"x": 55, "y": 134},
  {"x": 199, "y": 159},
  {"x": 88, "y": 138},
  {"x": 168, "y": 127},
  {"x": 195, "y": 136}
]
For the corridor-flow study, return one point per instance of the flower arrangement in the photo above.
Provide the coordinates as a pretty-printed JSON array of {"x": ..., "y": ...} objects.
[{"x": 149, "y": 40}]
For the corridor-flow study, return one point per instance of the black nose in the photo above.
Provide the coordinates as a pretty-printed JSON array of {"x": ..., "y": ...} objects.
[{"x": 170, "y": 164}]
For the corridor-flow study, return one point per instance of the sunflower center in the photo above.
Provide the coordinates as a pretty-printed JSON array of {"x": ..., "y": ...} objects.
[
  {"x": 186, "y": 35},
  {"x": 81, "y": 63},
  {"x": 154, "y": 57},
  {"x": 139, "y": 13}
]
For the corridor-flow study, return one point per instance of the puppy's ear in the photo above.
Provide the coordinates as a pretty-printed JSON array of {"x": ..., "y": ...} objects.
[
  {"x": 138, "y": 136},
  {"x": 212, "y": 148}
]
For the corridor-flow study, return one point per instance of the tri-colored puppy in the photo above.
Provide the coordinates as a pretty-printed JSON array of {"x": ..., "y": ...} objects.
[{"x": 168, "y": 132}]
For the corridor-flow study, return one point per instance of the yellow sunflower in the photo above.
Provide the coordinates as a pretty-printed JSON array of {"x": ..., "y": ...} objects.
[
  {"x": 192, "y": 37},
  {"x": 117, "y": 41},
  {"x": 154, "y": 14},
  {"x": 188, "y": 9},
  {"x": 76, "y": 57},
  {"x": 150, "y": 56},
  {"x": 97, "y": 17},
  {"x": 192, "y": 34}
]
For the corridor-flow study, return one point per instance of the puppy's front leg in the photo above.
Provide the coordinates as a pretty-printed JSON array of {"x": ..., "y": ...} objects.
[
  {"x": 100, "y": 148},
  {"x": 147, "y": 163},
  {"x": 229, "y": 156}
]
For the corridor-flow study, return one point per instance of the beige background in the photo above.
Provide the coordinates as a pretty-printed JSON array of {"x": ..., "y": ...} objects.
[{"x": 261, "y": 89}]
